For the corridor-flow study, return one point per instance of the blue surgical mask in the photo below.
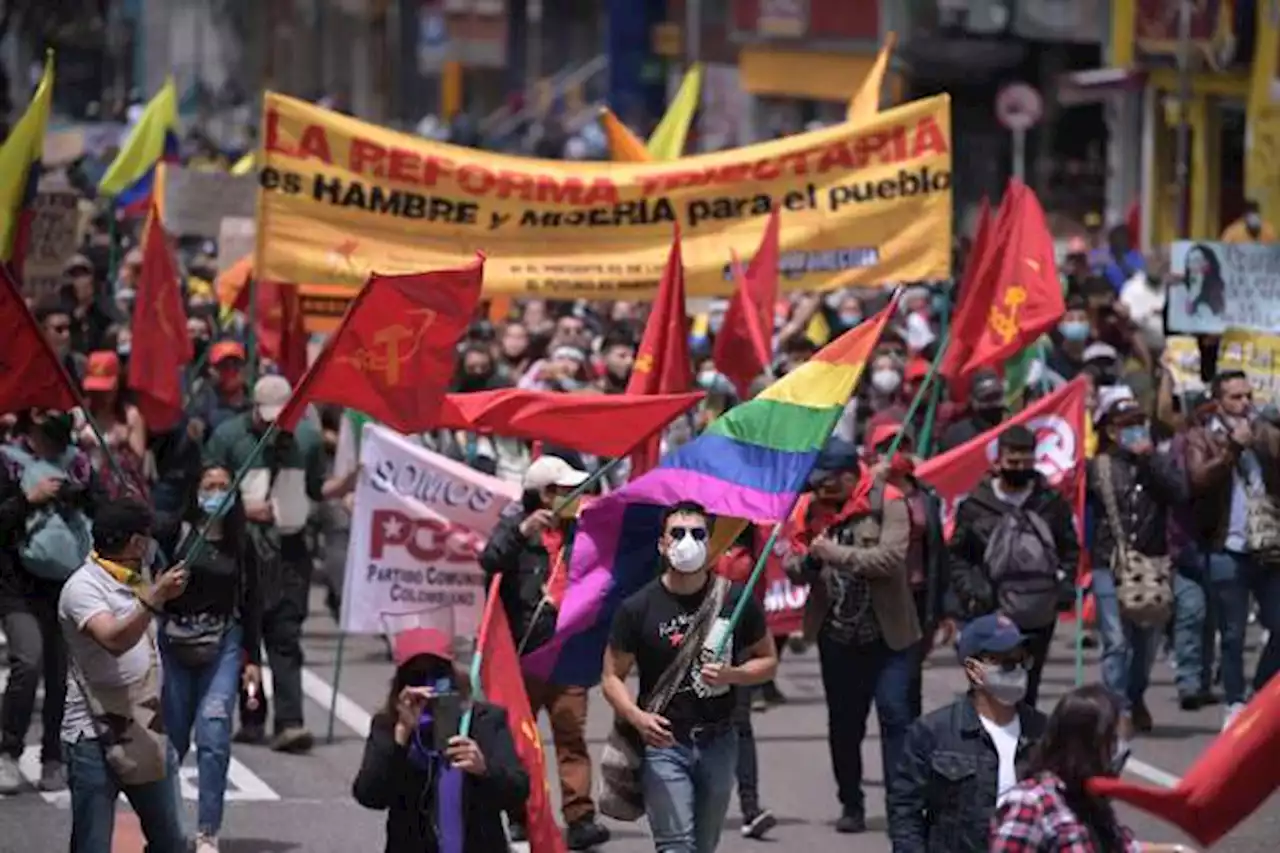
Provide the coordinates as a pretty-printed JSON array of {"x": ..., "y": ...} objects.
[
  {"x": 707, "y": 378},
  {"x": 211, "y": 501},
  {"x": 1074, "y": 330},
  {"x": 1132, "y": 436},
  {"x": 849, "y": 319}
]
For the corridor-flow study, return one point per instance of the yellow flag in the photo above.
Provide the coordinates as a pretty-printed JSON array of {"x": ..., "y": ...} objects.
[
  {"x": 20, "y": 160},
  {"x": 865, "y": 103},
  {"x": 667, "y": 141},
  {"x": 624, "y": 146},
  {"x": 152, "y": 139}
]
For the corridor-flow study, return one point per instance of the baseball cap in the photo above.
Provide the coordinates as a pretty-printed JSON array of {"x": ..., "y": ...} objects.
[
  {"x": 986, "y": 388},
  {"x": 77, "y": 262},
  {"x": 547, "y": 471},
  {"x": 993, "y": 634},
  {"x": 223, "y": 350},
  {"x": 1097, "y": 351},
  {"x": 102, "y": 371},
  {"x": 838, "y": 455},
  {"x": 270, "y": 393},
  {"x": 420, "y": 641}
]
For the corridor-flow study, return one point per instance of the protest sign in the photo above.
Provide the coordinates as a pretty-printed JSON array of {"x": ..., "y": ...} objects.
[
  {"x": 1182, "y": 359},
  {"x": 419, "y": 524},
  {"x": 54, "y": 237},
  {"x": 1058, "y": 423},
  {"x": 861, "y": 205},
  {"x": 1224, "y": 285},
  {"x": 1258, "y": 355},
  {"x": 783, "y": 600},
  {"x": 196, "y": 202}
]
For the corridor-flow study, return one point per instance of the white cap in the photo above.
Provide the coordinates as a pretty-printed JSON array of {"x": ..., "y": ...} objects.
[
  {"x": 1109, "y": 396},
  {"x": 1100, "y": 350},
  {"x": 549, "y": 471},
  {"x": 270, "y": 393}
]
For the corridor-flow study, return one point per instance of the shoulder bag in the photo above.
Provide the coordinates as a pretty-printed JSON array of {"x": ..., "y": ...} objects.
[
  {"x": 1144, "y": 584},
  {"x": 621, "y": 795}
]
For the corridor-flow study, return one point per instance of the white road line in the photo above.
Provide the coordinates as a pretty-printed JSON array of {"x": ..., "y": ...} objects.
[
  {"x": 1151, "y": 773},
  {"x": 347, "y": 711}
]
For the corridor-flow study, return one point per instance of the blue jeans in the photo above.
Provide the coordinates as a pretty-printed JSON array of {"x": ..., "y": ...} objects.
[
  {"x": 203, "y": 700},
  {"x": 94, "y": 791},
  {"x": 686, "y": 792},
  {"x": 1232, "y": 579},
  {"x": 1128, "y": 651},
  {"x": 1192, "y": 631},
  {"x": 853, "y": 676}
]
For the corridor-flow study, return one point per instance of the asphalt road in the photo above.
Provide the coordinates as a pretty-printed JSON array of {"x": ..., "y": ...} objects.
[{"x": 280, "y": 804}]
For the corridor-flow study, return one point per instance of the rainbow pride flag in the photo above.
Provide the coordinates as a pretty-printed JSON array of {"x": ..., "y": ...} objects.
[{"x": 751, "y": 463}]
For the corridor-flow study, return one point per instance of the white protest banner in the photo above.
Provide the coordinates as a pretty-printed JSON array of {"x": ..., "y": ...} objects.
[
  {"x": 196, "y": 202},
  {"x": 1222, "y": 285},
  {"x": 419, "y": 524},
  {"x": 54, "y": 237}
]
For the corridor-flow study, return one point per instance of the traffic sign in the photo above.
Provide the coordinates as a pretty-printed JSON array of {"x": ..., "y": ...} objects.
[{"x": 1019, "y": 106}]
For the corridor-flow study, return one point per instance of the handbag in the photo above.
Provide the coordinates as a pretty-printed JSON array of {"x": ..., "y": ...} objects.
[
  {"x": 1144, "y": 584},
  {"x": 129, "y": 723},
  {"x": 1262, "y": 526},
  {"x": 621, "y": 795}
]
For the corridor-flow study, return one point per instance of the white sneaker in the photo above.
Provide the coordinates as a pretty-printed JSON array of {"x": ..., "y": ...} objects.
[
  {"x": 10, "y": 775},
  {"x": 1233, "y": 711},
  {"x": 206, "y": 843}
]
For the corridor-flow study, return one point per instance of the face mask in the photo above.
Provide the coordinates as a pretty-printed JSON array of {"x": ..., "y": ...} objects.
[
  {"x": 1006, "y": 687},
  {"x": 211, "y": 502},
  {"x": 1132, "y": 436},
  {"x": 706, "y": 379},
  {"x": 1017, "y": 478},
  {"x": 687, "y": 555},
  {"x": 886, "y": 381},
  {"x": 849, "y": 319},
  {"x": 1074, "y": 330},
  {"x": 1253, "y": 221}
]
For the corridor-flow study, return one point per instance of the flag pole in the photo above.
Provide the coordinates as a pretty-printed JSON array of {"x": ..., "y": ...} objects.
[
  {"x": 251, "y": 335},
  {"x": 477, "y": 659},
  {"x": 920, "y": 394},
  {"x": 337, "y": 675},
  {"x": 935, "y": 394},
  {"x": 198, "y": 545}
]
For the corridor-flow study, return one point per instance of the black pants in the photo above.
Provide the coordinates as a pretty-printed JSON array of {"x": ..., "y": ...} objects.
[
  {"x": 747, "y": 771},
  {"x": 915, "y": 689},
  {"x": 36, "y": 648},
  {"x": 1038, "y": 642},
  {"x": 282, "y": 632}
]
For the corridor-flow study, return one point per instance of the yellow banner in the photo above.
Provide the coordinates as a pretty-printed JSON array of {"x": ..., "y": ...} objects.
[
  {"x": 339, "y": 198},
  {"x": 1258, "y": 355}
]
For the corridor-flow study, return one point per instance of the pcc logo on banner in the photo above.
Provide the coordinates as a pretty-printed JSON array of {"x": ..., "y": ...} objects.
[{"x": 419, "y": 524}]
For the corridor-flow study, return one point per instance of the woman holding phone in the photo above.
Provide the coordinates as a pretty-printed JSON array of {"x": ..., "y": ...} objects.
[{"x": 443, "y": 792}]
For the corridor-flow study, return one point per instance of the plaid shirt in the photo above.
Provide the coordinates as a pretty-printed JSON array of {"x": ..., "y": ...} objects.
[{"x": 1035, "y": 818}]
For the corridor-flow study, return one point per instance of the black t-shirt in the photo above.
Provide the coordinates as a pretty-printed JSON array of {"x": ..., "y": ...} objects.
[{"x": 651, "y": 625}]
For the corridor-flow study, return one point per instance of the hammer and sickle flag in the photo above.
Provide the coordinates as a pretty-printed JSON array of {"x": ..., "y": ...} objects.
[{"x": 392, "y": 355}]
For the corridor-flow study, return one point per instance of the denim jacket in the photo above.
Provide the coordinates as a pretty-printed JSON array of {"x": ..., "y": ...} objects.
[{"x": 943, "y": 794}]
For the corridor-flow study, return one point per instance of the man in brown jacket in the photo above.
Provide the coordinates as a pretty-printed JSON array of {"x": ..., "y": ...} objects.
[
  {"x": 853, "y": 555},
  {"x": 1233, "y": 458}
]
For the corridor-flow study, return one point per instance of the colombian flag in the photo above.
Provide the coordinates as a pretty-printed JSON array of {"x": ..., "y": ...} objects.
[
  {"x": 20, "y": 172},
  {"x": 131, "y": 177}
]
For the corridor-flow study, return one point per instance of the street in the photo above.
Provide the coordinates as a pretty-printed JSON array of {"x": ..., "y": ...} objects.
[{"x": 278, "y": 803}]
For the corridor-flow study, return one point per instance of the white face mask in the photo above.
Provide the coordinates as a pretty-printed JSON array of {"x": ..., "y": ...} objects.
[
  {"x": 1006, "y": 687},
  {"x": 687, "y": 555},
  {"x": 1253, "y": 221},
  {"x": 885, "y": 380}
]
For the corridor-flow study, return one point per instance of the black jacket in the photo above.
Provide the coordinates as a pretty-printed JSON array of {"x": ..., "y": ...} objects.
[
  {"x": 936, "y": 560},
  {"x": 1145, "y": 489},
  {"x": 524, "y": 565},
  {"x": 388, "y": 781},
  {"x": 976, "y": 519},
  {"x": 943, "y": 794}
]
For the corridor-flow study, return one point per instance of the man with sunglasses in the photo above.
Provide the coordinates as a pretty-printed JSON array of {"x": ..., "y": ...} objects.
[
  {"x": 55, "y": 321},
  {"x": 529, "y": 547},
  {"x": 960, "y": 760},
  {"x": 1233, "y": 465},
  {"x": 691, "y": 746}
]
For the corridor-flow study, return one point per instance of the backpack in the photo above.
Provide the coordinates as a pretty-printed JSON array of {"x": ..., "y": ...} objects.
[
  {"x": 1023, "y": 567},
  {"x": 57, "y": 538}
]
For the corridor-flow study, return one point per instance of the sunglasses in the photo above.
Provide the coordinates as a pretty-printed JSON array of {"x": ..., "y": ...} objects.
[{"x": 699, "y": 534}]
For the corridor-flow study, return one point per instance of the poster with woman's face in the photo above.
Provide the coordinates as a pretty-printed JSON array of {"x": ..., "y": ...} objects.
[{"x": 1198, "y": 290}]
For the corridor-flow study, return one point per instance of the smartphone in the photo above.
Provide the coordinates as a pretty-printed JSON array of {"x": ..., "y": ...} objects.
[{"x": 446, "y": 719}]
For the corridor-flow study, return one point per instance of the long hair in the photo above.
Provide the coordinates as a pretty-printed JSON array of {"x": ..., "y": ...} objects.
[
  {"x": 1213, "y": 290},
  {"x": 1078, "y": 742}
]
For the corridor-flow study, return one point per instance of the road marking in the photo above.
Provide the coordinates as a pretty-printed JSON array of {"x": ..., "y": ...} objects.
[
  {"x": 347, "y": 711},
  {"x": 1151, "y": 773}
]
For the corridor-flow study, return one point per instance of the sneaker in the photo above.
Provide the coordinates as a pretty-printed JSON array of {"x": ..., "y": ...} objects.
[
  {"x": 758, "y": 824},
  {"x": 772, "y": 694},
  {"x": 206, "y": 843},
  {"x": 51, "y": 776},
  {"x": 10, "y": 775},
  {"x": 585, "y": 833},
  {"x": 851, "y": 823},
  {"x": 758, "y": 703},
  {"x": 1233, "y": 711},
  {"x": 1196, "y": 701},
  {"x": 1141, "y": 717},
  {"x": 293, "y": 739}
]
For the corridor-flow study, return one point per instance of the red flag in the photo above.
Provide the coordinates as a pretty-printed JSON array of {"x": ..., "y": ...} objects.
[
  {"x": 599, "y": 424},
  {"x": 502, "y": 684},
  {"x": 31, "y": 377},
  {"x": 662, "y": 363},
  {"x": 392, "y": 355},
  {"x": 280, "y": 328},
  {"x": 1227, "y": 783},
  {"x": 1058, "y": 422},
  {"x": 161, "y": 345},
  {"x": 743, "y": 347},
  {"x": 1015, "y": 295}
]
